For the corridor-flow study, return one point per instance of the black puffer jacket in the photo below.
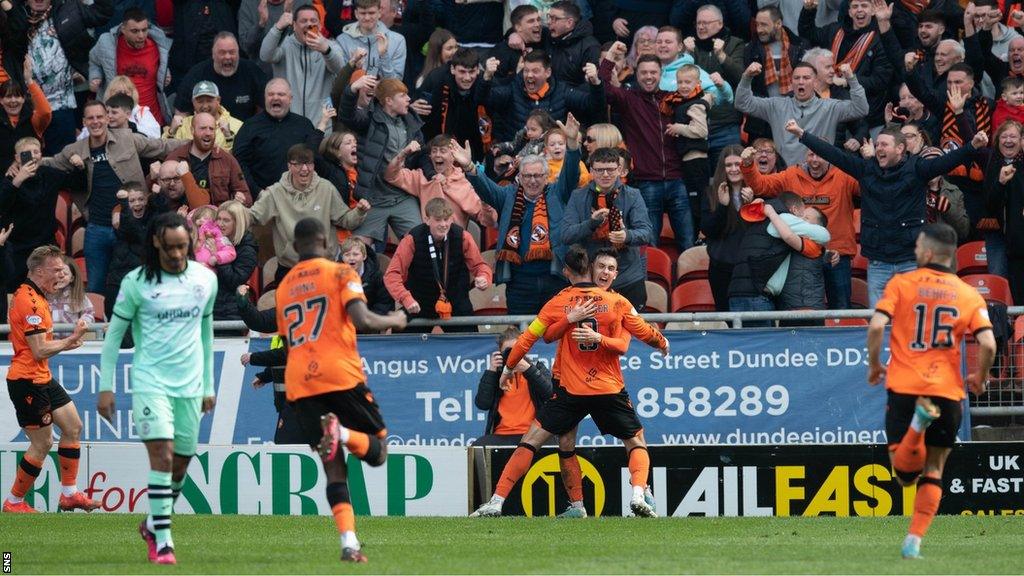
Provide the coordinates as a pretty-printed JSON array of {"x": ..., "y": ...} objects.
[
  {"x": 232, "y": 275},
  {"x": 570, "y": 52},
  {"x": 509, "y": 104},
  {"x": 71, "y": 18}
]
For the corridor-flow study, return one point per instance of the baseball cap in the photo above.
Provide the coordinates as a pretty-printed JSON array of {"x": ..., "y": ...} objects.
[{"x": 205, "y": 88}]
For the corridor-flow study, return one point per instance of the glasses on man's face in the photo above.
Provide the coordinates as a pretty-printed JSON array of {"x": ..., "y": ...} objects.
[
  {"x": 171, "y": 179},
  {"x": 765, "y": 151},
  {"x": 553, "y": 18},
  {"x": 525, "y": 176},
  {"x": 605, "y": 170},
  {"x": 299, "y": 164},
  {"x": 590, "y": 139},
  {"x": 645, "y": 41},
  {"x": 911, "y": 135},
  {"x": 706, "y": 23}
]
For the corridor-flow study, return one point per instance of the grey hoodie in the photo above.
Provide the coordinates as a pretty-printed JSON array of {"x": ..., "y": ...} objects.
[
  {"x": 285, "y": 205},
  {"x": 817, "y": 116},
  {"x": 309, "y": 72},
  {"x": 391, "y": 65},
  {"x": 103, "y": 62}
]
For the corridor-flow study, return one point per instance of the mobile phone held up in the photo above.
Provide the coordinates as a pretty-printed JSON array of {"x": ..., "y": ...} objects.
[{"x": 25, "y": 156}]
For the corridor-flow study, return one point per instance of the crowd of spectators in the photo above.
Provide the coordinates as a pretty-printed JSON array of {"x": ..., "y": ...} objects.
[{"x": 458, "y": 145}]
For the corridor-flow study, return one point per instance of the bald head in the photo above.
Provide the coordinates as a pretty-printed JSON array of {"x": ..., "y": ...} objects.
[
  {"x": 204, "y": 132},
  {"x": 278, "y": 97}
]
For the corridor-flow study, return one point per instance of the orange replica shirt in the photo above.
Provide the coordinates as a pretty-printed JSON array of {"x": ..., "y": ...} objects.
[
  {"x": 29, "y": 314},
  {"x": 588, "y": 369},
  {"x": 515, "y": 408},
  {"x": 931, "y": 310},
  {"x": 312, "y": 316}
]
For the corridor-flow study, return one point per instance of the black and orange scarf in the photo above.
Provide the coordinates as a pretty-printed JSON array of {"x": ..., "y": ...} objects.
[
  {"x": 670, "y": 101},
  {"x": 540, "y": 232},
  {"x": 857, "y": 51},
  {"x": 915, "y": 7},
  {"x": 952, "y": 139},
  {"x": 613, "y": 223},
  {"x": 784, "y": 75}
]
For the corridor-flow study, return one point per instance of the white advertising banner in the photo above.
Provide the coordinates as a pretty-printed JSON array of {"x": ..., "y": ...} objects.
[{"x": 260, "y": 479}]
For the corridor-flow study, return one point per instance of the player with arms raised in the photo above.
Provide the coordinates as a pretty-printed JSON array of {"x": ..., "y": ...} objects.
[
  {"x": 39, "y": 400},
  {"x": 931, "y": 310},
  {"x": 168, "y": 304},
  {"x": 320, "y": 304},
  {"x": 590, "y": 380}
]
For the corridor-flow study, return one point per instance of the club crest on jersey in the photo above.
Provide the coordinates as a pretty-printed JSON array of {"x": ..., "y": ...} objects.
[
  {"x": 46, "y": 419},
  {"x": 199, "y": 291},
  {"x": 539, "y": 233},
  {"x": 34, "y": 320}
]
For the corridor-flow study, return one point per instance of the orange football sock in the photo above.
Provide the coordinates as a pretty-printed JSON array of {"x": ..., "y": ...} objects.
[
  {"x": 517, "y": 465},
  {"x": 910, "y": 453},
  {"x": 344, "y": 517},
  {"x": 28, "y": 470},
  {"x": 358, "y": 443},
  {"x": 69, "y": 457},
  {"x": 572, "y": 476},
  {"x": 926, "y": 504},
  {"x": 639, "y": 466}
]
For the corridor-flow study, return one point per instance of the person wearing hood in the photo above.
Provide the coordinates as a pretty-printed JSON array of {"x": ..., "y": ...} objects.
[
  {"x": 385, "y": 49},
  {"x": 302, "y": 194},
  {"x": 305, "y": 58},
  {"x": 140, "y": 51},
  {"x": 572, "y": 43},
  {"x": 719, "y": 53},
  {"x": 669, "y": 49},
  {"x": 856, "y": 41}
]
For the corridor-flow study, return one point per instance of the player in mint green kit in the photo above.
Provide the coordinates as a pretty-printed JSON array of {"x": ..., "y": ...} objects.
[{"x": 168, "y": 303}]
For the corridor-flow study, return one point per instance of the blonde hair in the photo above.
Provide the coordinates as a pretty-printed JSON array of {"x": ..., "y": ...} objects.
[
  {"x": 351, "y": 243},
  {"x": 121, "y": 85},
  {"x": 241, "y": 217},
  {"x": 606, "y": 135},
  {"x": 207, "y": 211},
  {"x": 76, "y": 288}
]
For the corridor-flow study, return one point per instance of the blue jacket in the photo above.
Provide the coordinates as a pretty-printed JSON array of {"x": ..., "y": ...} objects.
[
  {"x": 892, "y": 200},
  {"x": 579, "y": 228},
  {"x": 502, "y": 199}
]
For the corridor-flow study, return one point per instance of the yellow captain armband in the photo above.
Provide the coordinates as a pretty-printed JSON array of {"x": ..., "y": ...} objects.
[{"x": 537, "y": 328}]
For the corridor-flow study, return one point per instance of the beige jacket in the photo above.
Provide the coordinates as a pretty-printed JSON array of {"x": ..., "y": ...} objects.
[{"x": 286, "y": 205}]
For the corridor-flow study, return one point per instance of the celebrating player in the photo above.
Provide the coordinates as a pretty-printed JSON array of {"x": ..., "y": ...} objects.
[
  {"x": 590, "y": 380},
  {"x": 39, "y": 400},
  {"x": 931, "y": 309},
  {"x": 168, "y": 302},
  {"x": 320, "y": 304}
]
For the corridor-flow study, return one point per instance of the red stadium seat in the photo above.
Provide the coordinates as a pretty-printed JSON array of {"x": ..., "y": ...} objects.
[
  {"x": 659, "y": 267},
  {"x": 489, "y": 302},
  {"x": 971, "y": 258},
  {"x": 834, "y": 322},
  {"x": 859, "y": 294},
  {"x": 693, "y": 296},
  {"x": 490, "y": 238},
  {"x": 859, "y": 266},
  {"x": 856, "y": 223},
  {"x": 657, "y": 298},
  {"x": 692, "y": 264},
  {"x": 991, "y": 287},
  {"x": 254, "y": 283},
  {"x": 97, "y": 305},
  {"x": 80, "y": 260}
]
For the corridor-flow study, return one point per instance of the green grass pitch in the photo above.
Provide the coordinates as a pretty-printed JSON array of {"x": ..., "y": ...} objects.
[{"x": 77, "y": 543}]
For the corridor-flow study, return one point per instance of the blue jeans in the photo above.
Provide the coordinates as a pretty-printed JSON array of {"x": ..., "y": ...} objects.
[
  {"x": 837, "y": 283},
  {"x": 668, "y": 196},
  {"x": 718, "y": 138},
  {"x": 98, "y": 247},
  {"x": 527, "y": 293},
  {"x": 995, "y": 252},
  {"x": 879, "y": 274},
  {"x": 752, "y": 304}
]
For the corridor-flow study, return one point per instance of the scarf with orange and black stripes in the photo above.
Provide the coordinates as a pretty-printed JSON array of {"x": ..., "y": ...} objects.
[
  {"x": 951, "y": 138},
  {"x": 540, "y": 231},
  {"x": 784, "y": 76},
  {"x": 856, "y": 52},
  {"x": 613, "y": 223}
]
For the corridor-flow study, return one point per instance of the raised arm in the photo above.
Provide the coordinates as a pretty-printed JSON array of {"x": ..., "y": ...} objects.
[{"x": 836, "y": 156}]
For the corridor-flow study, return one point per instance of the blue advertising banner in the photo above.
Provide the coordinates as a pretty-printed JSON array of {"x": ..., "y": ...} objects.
[{"x": 794, "y": 386}]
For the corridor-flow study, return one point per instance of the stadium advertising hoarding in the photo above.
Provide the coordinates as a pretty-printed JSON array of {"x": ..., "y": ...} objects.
[
  {"x": 289, "y": 480},
  {"x": 795, "y": 386},
  {"x": 980, "y": 479}
]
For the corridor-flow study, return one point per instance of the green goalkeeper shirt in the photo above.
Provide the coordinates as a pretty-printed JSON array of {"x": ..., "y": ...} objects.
[{"x": 172, "y": 325}]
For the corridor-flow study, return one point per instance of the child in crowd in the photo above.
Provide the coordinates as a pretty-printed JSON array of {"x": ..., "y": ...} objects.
[
  {"x": 211, "y": 246},
  {"x": 69, "y": 303},
  {"x": 1010, "y": 105},
  {"x": 554, "y": 151},
  {"x": 690, "y": 129}
]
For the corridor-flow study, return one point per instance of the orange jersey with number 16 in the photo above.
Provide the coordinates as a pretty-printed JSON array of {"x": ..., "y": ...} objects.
[
  {"x": 931, "y": 310},
  {"x": 586, "y": 369},
  {"x": 311, "y": 316}
]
